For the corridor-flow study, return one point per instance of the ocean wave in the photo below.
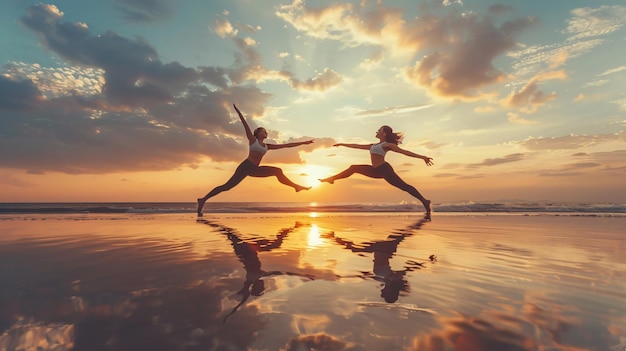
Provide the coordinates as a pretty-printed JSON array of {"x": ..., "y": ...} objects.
[{"x": 289, "y": 207}]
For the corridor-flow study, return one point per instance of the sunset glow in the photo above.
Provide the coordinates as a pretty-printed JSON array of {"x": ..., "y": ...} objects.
[{"x": 132, "y": 101}]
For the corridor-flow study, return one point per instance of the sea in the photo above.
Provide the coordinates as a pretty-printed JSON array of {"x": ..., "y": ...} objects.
[
  {"x": 492, "y": 276},
  {"x": 470, "y": 207}
]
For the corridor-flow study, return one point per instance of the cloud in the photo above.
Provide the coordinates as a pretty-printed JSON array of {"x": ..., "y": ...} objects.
[
  {"x": 580, "y": 97},
  {"x": 463, "y": 64},
  {"x": 529, "y": 98},
  {"x": 351, "y": 112},
  {"x": 144, "y": 10},
  {"x": 460, "y": 47},
  {"x": 132, "y": 71},
  {"x": 224, "y": 28},
  {"x": 517, "y": 119},
  {"x": 597, "y": 83},
  {"x": 322, "y": 82},
  {"x": 8, "y": 179},
  {"x": 571, "y": 141},
  {"x": 589, "y": 22},
  {"x": 620, "y": 102},
  {"x": 498, "y": 161},
  {"x": 499, "y": 9},
  {"x": 18, "y": 94},
  {"x": 613, "y": 71},
  {"x": 585, "y": 29},
  {"x": 58, "y": 82},
  {"x": 372, "y": 61},
  {"x": 117, "y": 107}
]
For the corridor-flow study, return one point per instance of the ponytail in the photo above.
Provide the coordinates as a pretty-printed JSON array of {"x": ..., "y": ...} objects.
[{"x": 392, "y": 137}]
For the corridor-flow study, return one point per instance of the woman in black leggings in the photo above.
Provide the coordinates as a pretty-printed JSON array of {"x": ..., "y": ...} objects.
[
  {"x": 388, "y": 140},
  {"x": 250, "y": 166}
]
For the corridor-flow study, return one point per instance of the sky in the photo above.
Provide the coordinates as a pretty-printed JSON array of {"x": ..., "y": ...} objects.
[{"x": 131, "y": 100}]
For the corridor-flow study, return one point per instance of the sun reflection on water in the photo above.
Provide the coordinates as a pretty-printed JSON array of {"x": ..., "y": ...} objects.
[{"x": 314, "y": 239}]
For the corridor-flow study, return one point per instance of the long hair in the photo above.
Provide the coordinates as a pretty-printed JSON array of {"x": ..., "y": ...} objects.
[{"x": 392, "y": 137}]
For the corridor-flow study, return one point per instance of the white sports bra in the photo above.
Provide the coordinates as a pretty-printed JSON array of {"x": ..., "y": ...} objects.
[
  {"x": 256, "y": 146},
  {"x": 378, "y": 149}
]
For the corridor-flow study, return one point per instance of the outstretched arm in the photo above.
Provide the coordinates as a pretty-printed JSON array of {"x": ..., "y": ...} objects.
[
  {"x": 356, "y": 146},
  {"x": 245, "y": 125},
  {"x": 396, "y": 148},
  {"x": 282, "y": 146}
]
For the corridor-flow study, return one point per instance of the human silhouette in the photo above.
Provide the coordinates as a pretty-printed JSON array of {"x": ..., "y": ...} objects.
[
  {"x": 248, "y": 253},
  {"x": 250, "y": 166},
  {"x": 388, "y": 141},
  {"x": 393, "y": 280}
]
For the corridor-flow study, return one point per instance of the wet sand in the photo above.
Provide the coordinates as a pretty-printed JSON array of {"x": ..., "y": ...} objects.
[{"x": 357, "y": 281}]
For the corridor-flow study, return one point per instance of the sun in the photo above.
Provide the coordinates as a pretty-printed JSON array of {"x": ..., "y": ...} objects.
[{"x": 312, "y": 173}]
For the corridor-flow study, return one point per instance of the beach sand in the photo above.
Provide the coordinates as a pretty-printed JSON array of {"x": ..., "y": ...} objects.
[{"x": 296, "y": 281}]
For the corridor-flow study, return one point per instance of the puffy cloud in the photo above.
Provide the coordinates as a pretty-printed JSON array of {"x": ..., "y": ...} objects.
[
  {"x": 322, "y": 82},
  {"x": 529, "y": 98},
  {"x": 460, "y": 47},
  {"x": 224, "y": 28},
  {"x": 373, "y": 61}
]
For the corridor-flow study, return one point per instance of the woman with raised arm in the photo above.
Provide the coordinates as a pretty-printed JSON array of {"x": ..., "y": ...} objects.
[
  {"x": 388, "y": 141},
  {"x": 250, "y": 166}
]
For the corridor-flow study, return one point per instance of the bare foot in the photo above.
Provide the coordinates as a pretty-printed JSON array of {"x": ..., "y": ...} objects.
[
  {"x": 327, "y": 180},
  {"x": 427, "y": 207},
  {"x": 200, "y": 205},
  {"x": 300, "y": 188}
]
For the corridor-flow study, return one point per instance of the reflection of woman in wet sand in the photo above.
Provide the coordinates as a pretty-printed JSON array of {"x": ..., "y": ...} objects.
[
  {"x": 250, "y": 166},
  {"x": 388, "y": 140},
  {"x": 248, "y": 253},
  {"x": 393, "y": 280}
]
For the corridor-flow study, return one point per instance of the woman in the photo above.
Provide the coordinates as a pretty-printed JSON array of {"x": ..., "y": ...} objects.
[
  {"x": 250, "y": 166},
  {"x": 388, "y": 141}
]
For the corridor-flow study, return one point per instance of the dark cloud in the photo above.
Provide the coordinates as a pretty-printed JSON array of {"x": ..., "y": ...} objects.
[
  {"x": 17, "y": 95},
  {"x": 134, "y": 75},
  {"x": 144, "y": 10},
  {"x": 149, "y": 115}
]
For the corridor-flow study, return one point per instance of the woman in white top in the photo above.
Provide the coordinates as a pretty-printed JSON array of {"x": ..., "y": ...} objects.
[
  {"x": 250, "y": 166},
  {"x": 388, "y": 140}
]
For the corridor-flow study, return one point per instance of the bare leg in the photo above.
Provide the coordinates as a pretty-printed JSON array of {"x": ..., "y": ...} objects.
[
  {"x": 268, "y": 171},
  {"x": 240, "y": 173},
  {"x": 392, "y": 178},
  {"x": 365, "y": 170}
]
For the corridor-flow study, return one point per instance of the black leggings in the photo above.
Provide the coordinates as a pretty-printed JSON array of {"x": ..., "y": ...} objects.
[
  {"x": 384, "y": 171},
  {"x": 247, "y": 168}
]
